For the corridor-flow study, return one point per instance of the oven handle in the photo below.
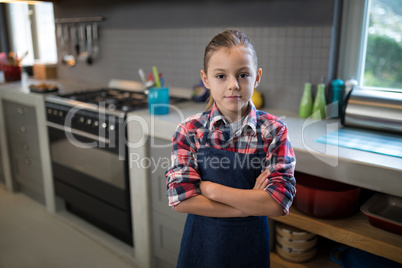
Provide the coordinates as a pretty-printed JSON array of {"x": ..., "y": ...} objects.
[{"x": 78, "y": 132}]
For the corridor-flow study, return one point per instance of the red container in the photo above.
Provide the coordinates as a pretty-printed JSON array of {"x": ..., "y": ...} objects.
[
  {"x": 385, "y": 212},
  {"x": 11, "y": 72},
  {"x": 324, "y": 198}
]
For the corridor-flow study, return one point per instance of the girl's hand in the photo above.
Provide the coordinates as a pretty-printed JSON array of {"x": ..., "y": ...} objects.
[{"x": 262, "y": 181}]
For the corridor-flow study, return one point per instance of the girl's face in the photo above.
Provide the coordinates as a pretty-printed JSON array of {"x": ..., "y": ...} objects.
[{"x": 231, "y": 77}]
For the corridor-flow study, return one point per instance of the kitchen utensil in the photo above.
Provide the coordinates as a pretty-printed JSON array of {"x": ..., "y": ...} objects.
[
  {"x": 385, "y": 212},
  {"x": 83, "y": 53},
  {"x": 69, "y": 58},
  {"x": 356, "y": 258},
  {"x": 324, "y": 198},
  {"x": 156, "y": 76},
  {"x": 19, "y": 59},
  {"x": 89, "y": 43},
  {"x": 373, "y": 109},
  {"x": 147, "y": 83},
  {"x": 95, "y": 39}
]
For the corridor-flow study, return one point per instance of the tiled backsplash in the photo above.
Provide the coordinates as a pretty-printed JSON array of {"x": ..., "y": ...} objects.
[{"x": 289, "y": 56}]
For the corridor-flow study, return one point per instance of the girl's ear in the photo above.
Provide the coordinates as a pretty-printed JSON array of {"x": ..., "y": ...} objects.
[
  {"x": 258, "y": 78},
  {"x": 204, "y": 79}
]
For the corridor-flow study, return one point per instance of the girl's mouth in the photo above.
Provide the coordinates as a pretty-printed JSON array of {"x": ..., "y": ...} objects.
[{"x": 232, "y": 97}]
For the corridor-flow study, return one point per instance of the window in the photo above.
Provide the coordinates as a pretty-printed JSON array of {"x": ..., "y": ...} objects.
[
  {"x": 371, "y": 43},
  {"x": 31, "y": 28}
]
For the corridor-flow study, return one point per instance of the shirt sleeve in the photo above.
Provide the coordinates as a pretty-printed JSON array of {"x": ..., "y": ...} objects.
[
  {"x": 182, "y": 178},
  {"x": 281, "y": 161}
]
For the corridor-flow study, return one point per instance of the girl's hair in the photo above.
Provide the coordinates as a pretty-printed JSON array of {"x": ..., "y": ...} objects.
[{"x": 226, "y": 39}]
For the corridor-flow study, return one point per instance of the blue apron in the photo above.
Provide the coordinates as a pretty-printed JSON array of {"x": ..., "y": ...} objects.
[{"x": 210, "y": 242}]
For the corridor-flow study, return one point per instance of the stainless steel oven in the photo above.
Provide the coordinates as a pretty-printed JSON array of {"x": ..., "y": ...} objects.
[
  {"x": 87, "y": 132},
  {"x": 89, "y": 165}
]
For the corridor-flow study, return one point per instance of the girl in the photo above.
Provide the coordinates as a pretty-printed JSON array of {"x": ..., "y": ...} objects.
[{"x": 232, "y": 166}]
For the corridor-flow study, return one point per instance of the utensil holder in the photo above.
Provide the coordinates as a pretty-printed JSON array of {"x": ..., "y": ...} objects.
[{"x": 11, "y": 72}]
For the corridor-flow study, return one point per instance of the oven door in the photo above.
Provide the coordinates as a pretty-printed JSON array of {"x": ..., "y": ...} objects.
[{"x": 92, "y": 179}]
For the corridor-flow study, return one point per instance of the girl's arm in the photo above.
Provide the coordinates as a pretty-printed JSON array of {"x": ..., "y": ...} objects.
[
  {"x": 200, "y": 205},
  {"x": 204, "y": 206},
  {"x": 253, "y": 202}
]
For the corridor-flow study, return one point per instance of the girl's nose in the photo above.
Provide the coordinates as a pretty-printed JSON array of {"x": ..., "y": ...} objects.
[{"x": 233, "y": 84}]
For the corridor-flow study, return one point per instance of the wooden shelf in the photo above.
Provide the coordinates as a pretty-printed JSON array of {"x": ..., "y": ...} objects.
[{"x": 354, "y": 231}]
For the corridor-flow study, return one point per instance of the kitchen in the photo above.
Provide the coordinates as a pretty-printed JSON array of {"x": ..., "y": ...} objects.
[{"x": 295, "y": 44}]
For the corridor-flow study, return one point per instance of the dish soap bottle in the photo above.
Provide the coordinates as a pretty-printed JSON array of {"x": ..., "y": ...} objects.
[
  {"x": 336, "y": 97},
  {"x": 319, "y": 103},
  {"x": 306, "y": 102}
]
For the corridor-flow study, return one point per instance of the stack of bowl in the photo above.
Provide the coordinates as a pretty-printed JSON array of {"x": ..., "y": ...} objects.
[{"x": 295, "y": 245}]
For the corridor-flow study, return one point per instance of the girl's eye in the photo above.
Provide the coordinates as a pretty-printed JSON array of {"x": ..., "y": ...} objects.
[
  {"x": 243, "y": 75},
  {"x": 220, "y": 76}
]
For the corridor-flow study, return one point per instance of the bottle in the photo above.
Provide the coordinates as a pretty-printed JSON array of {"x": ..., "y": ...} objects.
[
  {"x": 336, "y": 97},
  {"x": 319, "y": 103},
  {"x": 306, "y": 102}
]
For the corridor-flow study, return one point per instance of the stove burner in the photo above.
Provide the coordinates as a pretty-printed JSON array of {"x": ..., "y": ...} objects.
[{"x": 113, "y": 99}]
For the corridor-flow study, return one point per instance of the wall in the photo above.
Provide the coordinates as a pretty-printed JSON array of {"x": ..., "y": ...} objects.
[{"x": 292, "y": 40}]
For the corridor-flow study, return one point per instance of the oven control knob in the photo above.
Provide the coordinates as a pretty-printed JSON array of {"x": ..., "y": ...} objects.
[
  {"x": 61, "y": 113},
  {"x": 111, "y": 127},
  {"x": 49, "y": 111},
  {"x": 96, "y": 123},
  {"x": 81, "y": 119},
  {"x": 54, "y": 112},
  {"x": 89, "y": 121},
  {"x": 104, "y": 125}
]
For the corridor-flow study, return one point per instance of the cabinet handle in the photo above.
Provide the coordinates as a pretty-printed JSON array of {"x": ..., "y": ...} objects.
[
  {"x": 23, "y": 129},
  {"x": 27, "y": 161},
  {"x": 25, "y": 146},
  {"x": 20, "y": 110}
]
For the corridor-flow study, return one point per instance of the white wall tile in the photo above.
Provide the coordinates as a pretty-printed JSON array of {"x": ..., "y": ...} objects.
[{"x": 288, "y": 56}]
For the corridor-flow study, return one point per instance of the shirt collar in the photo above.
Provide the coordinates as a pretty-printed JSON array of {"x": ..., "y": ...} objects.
[{"x": 217, "y": 119}]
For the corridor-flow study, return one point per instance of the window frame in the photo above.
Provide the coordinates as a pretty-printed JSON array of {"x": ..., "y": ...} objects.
[
  {"x": 35, "y": 52},
  {"x": 353, "y": 43}
]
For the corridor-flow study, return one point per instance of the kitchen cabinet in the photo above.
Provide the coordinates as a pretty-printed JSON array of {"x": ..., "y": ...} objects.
[
  {"x": 23, "y": 142},
  {"x": 167, "y": 225}
]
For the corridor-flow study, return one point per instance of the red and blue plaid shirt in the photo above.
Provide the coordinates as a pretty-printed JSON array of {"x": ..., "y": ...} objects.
[{"x": 183, "y": 176}]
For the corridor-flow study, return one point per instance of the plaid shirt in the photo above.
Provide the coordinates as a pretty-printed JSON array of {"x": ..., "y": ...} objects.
[{"x": 183, "y": 176}]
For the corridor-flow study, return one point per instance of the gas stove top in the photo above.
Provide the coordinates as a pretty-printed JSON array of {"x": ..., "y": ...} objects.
[
  {"x": 112, "y": 99},
  {"x": 107, "y": 100}
]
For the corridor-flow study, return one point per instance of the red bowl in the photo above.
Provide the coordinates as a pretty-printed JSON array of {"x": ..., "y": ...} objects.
[{"x": 324, "y": 198}]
